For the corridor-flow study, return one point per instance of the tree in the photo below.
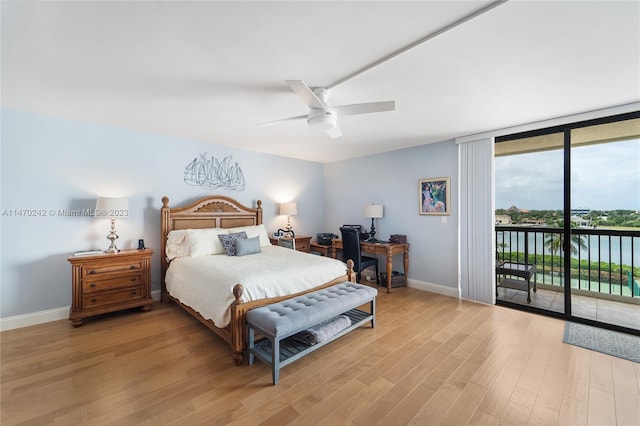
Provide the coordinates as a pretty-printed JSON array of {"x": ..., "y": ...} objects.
[{"x": 555, "y": 242}]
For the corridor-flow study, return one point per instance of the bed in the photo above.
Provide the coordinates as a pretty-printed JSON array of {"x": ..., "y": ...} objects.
[{"x": 182, "y": 276}]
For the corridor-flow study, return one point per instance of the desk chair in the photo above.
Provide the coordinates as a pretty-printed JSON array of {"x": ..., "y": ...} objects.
[{"x": 351, "y": 250}]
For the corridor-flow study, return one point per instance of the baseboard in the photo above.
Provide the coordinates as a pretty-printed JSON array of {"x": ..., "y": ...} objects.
[
  {"x": 434, "y": 288},
  {"x": 26, "y": 320}
]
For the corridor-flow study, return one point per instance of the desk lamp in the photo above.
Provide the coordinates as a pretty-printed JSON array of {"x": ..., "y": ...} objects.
[{"x": 374, "y": 211}]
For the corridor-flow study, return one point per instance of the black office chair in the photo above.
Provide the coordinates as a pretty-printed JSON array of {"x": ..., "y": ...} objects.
[{"x": 351, "y": 250}]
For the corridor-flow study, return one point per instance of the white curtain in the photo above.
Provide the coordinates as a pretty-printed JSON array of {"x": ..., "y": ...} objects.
[{"x": 476, "y": 259}]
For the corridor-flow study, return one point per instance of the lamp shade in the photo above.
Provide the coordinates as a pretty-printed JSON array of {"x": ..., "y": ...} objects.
[
  {"x": 112, "y": 207},
  {"x": 290, "y": 209},
  {"x": 373, "y": 210}
]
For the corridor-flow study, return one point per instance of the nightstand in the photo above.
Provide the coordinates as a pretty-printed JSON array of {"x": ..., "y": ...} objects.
[
  {"x": 303, "y": 243},
  {"x": 104, "y": 283}
]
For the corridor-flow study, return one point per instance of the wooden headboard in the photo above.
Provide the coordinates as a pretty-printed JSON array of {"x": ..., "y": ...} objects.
[{"x": 215, "y": 211}]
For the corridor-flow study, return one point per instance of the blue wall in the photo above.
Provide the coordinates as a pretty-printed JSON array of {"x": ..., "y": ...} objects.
[
  {"x": 51, "y": 164},
  {"x": 391, "y": 179}
]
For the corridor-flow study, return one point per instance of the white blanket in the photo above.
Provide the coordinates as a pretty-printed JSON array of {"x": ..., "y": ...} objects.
[{"x": 206, "y": 283}]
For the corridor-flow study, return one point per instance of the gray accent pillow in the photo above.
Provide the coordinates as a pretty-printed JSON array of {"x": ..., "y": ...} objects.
[
  {"x": 229, "y": 241},
  {"x": 248, "y": 246}
]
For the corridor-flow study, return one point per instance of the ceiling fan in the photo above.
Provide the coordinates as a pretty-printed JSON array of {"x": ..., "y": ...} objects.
[{"x": 324, "y": 117}]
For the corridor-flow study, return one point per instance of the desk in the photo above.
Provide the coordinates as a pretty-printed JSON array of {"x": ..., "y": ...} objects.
[
  {"x": 323, "y": 249},
  {"x": 388, "y": 249}
]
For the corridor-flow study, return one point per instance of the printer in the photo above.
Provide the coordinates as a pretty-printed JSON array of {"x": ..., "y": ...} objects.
[{"x": 324, "y": 238}]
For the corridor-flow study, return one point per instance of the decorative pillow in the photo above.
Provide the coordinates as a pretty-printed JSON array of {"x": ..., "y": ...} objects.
[
  {"x": 177, "y": 244},
  {"x": 229, "y": 241},
  {"x": 248, "y": 246},
  {"x": 255, "y": 231},
  {"x": 204, "y": 242}
]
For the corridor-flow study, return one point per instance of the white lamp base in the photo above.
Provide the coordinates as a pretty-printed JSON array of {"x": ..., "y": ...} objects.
[{"x": 113, "y": 237}]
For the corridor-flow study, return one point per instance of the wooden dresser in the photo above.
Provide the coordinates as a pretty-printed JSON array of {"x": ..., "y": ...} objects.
[
  {"x": 104, "y": 283},
  {"x": 303, "y": 243}
]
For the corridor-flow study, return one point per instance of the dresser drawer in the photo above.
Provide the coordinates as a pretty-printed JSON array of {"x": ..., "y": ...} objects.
[
  {"x": 100, "y": 299},
  {"x": 106, "y": 268},
  {"x": 303, "y": 246},
  {"x": 90, "y": 285}
]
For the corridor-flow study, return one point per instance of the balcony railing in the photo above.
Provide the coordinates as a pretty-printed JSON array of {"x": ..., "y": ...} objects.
[{"x": 604, "y": 262}]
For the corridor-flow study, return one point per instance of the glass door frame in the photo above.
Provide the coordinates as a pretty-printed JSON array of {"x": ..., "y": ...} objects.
[{"x": 566, "y": 130}]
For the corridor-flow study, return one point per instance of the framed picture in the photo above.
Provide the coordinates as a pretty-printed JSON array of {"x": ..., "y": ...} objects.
[{"x": 433, "y": 196}]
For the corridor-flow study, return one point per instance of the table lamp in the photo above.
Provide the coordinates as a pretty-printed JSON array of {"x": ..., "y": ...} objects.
[
  {"x": 290, "y": 209},
  {"x": 112, "y": 207},
  {"x": 374, "y": 211}
]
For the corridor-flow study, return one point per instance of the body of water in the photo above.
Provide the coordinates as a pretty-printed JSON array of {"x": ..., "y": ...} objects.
[{"x": 600, "y": 248}]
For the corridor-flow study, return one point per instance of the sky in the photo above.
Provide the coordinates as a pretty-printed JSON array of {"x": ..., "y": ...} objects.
[{"x": 604, "y": 177}]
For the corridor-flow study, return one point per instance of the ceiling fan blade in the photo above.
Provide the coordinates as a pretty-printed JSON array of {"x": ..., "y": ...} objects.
[
  {"x": 306, "y": 94},
  {"x": 297, "y": 117},
  {"x": 335, "y": 132},
  {"x": 365, "y": 108}
]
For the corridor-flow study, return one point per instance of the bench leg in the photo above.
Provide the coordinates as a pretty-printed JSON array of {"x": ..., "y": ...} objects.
[
  {"x": 275, "y": 360},
  {"x": 251, "y": 344},
  {"x": 373, "y": 313}
]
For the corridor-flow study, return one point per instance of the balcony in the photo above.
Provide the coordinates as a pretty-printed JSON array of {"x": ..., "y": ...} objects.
[{"x": 604, "y": 275}]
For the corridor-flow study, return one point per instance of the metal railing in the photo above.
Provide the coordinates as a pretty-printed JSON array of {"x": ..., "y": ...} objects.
[{"x": 603, "y": 261}]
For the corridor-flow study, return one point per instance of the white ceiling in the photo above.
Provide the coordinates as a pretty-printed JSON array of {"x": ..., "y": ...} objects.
[{"x": 211, "y": 71}]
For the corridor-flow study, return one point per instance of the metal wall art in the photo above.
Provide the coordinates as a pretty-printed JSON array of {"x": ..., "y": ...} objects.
[{"x": 209, "y": 173}]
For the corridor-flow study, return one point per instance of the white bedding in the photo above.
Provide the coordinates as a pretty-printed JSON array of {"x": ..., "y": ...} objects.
[{"x": 206, "y": 283}]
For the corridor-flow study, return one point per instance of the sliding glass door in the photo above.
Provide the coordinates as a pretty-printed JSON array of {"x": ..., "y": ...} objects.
[
  {"x": 568, "y": 221},
  {"x": 605, "y": 222},
  {"x": 529, "y": 182}
]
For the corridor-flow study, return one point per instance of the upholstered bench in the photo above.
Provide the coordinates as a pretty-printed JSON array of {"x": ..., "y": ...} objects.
[{"x": 282, "y": 323}]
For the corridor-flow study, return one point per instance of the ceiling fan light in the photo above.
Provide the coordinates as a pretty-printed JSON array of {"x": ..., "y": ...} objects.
[{"x": 322, "y": 122}]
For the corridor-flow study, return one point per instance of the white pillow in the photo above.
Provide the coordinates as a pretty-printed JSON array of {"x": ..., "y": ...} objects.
[
  {"x": 177, "y": 244},
  {"x": 254, "y": 231},
  {"x": 204, "y": 242}
]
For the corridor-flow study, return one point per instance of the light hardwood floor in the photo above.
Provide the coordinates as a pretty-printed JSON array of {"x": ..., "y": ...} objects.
[{"x": 430, "y": 360}]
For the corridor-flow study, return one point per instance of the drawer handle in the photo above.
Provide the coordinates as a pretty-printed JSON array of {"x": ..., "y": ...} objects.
[
  {"x": 133, "y": 267},
  {"x": 133, "y": 279},
  {"x": 93, "y": 300},
  {"x": 93, "y": 271},
  {"x": 92, "y": 285},
  {"x": 133, "y": 293}
]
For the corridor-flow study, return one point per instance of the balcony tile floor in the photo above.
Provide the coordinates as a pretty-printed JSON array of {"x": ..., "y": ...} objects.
[{"x": 607, "y": 311}]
